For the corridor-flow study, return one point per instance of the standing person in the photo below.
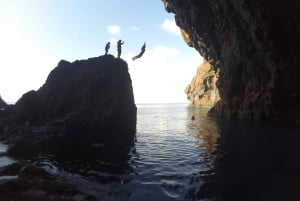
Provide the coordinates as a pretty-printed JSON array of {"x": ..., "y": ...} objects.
[
  {"x": 107, "y": 46},
  {"x": 119, "y": 44}
]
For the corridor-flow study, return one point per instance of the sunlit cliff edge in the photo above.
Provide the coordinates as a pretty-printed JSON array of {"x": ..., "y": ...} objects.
[
  {"x": 202, "y": 90},
  {"x": 254, "y": 45}
]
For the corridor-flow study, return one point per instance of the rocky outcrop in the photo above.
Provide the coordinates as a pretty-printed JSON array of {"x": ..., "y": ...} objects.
[
  {"x": 202, "y": 90},
  {"x": 85, "y": 108},
  {"x": 255, "y": 46},
  {"x": 3, "y": 104},
  {"x": 27, "y": 182}
]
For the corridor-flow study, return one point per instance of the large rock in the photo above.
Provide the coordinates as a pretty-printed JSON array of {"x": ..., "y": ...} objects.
[
  {"x": 28, "y": 182},
  {"x": 3, "y": 104},
  {"x": 85, "y": 108},
  {"x": 255, "y": 45},
  {"x": 202, "y": 91}
]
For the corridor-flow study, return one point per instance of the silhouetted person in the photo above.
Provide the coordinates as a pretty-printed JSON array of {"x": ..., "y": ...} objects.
[
  {"x": 119, "y": 44},
  {"x": 143, "y": 49},
  {"x": 107, "y": 46}
]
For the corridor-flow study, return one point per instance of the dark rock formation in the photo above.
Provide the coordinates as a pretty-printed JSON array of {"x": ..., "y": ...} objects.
[
  {"x": 255, "y": 45},
  {"x": 3, "y": 104},
  {"x": 202, "y": 91},
  {"x": 34, "y": 183},
  {"x": 85, "y": 108}
]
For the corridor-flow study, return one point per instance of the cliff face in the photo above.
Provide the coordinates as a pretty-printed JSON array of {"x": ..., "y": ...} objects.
[
  {"x": 255, "y": 46},
  {"x": 202, "y": 90},
  {"x": 2, "y": 103},
  {"x": 84, "y": 108}
]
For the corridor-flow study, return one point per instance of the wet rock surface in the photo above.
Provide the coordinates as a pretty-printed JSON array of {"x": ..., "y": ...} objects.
[{"x": 21, "y": 181}]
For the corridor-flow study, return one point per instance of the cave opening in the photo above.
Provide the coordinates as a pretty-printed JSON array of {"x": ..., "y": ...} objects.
[{"x": 94, "y": 142}]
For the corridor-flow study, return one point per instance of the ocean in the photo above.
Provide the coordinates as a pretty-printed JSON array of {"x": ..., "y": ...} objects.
[{"x": 206, "y": 158}]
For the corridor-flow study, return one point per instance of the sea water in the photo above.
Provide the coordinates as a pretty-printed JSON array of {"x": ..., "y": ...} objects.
[
  {"x": 4, "y": 160},
  {"x": 170, "y": 150},
  {"x": 208, "y": 158}
]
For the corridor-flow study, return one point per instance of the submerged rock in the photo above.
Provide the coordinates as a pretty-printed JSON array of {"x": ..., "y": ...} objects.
[{"x": 82, "y": 103}]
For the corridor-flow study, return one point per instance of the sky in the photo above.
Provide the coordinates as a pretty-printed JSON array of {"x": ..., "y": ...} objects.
[{"x": 36, "y": 34}]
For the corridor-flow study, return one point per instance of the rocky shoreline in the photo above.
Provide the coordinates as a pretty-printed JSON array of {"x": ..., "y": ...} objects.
[{"x": 24, "y": 181}]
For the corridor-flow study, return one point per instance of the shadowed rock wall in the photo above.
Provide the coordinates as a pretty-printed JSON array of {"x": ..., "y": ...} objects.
[
  {"x": 255, "y": 45},
  {"x": 85, "y": 108},
  {"x": 2, "y": 103}
]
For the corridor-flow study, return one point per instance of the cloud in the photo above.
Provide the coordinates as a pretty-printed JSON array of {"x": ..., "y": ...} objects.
[
  {"x": 170, "y": 26},
  {"x": 161, "y": 74},
  {"x": 23, "y": 67},
  {"x": 114, "y": 29}
]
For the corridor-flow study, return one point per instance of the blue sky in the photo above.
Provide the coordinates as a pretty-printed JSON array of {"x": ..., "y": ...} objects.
[{"x": 36, "y": 34}]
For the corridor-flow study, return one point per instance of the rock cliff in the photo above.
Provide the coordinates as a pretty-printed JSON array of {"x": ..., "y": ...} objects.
[
  {"x": 85, "y": 108},
  {"x": 202, "y": 90},
  {"x": 3, "y": 104},
  {"x": 255, "y": 46}
]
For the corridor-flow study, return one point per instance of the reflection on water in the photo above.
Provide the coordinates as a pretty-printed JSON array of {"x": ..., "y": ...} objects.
[
  {"x": 3, "y": 148},
  {"x": 4, "y": 160},
  {"x": 206, "y": 130},
  {"x": 257, "y": 162},
  {"x": 176, "y": 158},
  {"x": 172, "y": 159}
]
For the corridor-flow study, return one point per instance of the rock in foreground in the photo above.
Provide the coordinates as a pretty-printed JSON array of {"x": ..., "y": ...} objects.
[
  {"x": 27, "y": 182},
  {"x": 2, "y": 103},
  {"x": 85, "y": 109}
]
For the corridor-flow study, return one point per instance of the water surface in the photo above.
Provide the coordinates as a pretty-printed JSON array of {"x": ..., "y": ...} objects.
[
  {"x": 4, "y": 160},
  {"x": 177, "y": 158}
]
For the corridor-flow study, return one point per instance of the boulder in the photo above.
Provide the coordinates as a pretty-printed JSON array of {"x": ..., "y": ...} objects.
[
  {"x": 28, "y": 182},
  {"x": 84, "y": 109}
]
